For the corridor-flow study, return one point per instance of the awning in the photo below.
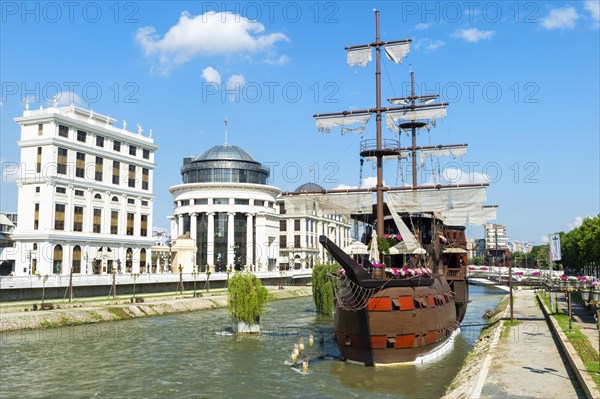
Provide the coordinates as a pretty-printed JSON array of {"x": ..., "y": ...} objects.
[
  {"x": 356, "y": 248},
  {"x": 455, "y": 251}
]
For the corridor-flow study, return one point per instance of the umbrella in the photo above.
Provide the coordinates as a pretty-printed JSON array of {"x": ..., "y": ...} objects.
[
  {"x": 374, "y": 252},
  {"x": 356, "y": 248}
]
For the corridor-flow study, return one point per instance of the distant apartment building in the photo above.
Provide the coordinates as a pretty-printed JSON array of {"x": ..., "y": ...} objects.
[
  {"x": 520, "y": 246},
  {"x": 495, "y": 236},
  {"x": 85, "y": 192}
]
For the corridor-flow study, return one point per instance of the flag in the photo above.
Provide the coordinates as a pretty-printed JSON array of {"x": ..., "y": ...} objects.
[
  {"x": 555, "y": 247},
  {"x": 225, "y": 121}
]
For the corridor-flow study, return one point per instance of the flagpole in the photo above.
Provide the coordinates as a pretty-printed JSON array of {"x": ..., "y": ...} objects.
[
  {"x": 225, "y": 130},
  {"x": 550, "y": 268}
]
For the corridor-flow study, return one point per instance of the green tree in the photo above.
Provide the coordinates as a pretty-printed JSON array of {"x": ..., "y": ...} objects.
[
  {"x": 246, "y": 297},
  {"x": 323, "y": 287},
  {"x": 581, "y": 246},
  {"x": 539, "y": 256},
  {"x": 478, "y": 260}
]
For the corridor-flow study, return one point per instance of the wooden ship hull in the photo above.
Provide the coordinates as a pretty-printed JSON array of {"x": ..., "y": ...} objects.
[{"x": 391, "y": 321}]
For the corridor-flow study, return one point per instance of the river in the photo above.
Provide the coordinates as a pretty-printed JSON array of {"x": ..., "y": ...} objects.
[{"x": 193, "y": 355}]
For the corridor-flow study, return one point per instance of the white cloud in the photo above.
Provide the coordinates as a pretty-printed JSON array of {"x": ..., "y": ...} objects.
[
  {"x": 235, "y": 82},
  {"x": 211, "y": 75},
  {"x": 66, "y": 98},
  {"x": 459, "y": 176},
  {"x": 561, "y": 18},
  {"x": 345, "y": 187},
  {"x": 576, "y": 222},
  {"x": 473, "y": 35},
  {"x": 421, "y": 26},
  {"x": 207, "y": 34},
  {"x": 544, "y": 239},
  {"x": 428, "y": 45},
  {"x": 593, "y": 6},
  {"x": 282, "y": 60}
]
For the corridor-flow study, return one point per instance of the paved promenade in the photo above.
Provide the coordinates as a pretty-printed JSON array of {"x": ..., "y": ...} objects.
[{"x": 527, "y": 363}]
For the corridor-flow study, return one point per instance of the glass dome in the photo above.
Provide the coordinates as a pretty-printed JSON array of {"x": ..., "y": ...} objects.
[
  {"x": 309, "y": 187},
  {"x": 223, "y": 163}
]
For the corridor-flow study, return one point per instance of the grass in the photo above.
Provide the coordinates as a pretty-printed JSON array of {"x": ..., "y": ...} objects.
[
  {"x": 580, "y": 342},
  {"x": 479, "y": 351},
  {"x": 507, "y": 326}
]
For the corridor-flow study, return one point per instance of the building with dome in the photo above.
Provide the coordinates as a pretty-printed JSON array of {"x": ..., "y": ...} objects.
[
  {"x": 225, "y": 206},
  {"x": 299, "y": 234}
]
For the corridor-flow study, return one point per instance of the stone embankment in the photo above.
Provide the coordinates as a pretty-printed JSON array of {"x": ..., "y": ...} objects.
[{"x": 16, "y": 318}]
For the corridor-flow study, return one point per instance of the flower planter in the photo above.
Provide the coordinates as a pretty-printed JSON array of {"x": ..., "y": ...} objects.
[{"x": 378, "y": 273}]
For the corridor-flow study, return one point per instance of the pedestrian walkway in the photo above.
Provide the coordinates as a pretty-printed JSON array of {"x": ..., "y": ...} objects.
[{"x": 527, "y": 363}]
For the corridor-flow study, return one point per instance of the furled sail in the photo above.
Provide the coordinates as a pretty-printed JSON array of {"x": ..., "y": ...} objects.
[
  {"x": 330, "y": 204},
  {"x": 407, "y": 100},
  {"x": 442, "y": 152},
  {"x": 359, "y": 56},
  {"x": 325, "y": 123},
  {"x": 401, "y": 155},
  {"x": 393, "y": 118},
  {"x": 396, "y": 52},
  {"x": 466, "y": 217}
]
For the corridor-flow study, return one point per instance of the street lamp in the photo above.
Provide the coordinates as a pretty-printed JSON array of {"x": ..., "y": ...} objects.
[{"x": 169, "y": 244}]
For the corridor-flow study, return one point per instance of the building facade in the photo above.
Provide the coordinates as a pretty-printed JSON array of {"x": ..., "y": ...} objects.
[
  {"x": 8, "y": 222},
  {"x": 226, "y": 206},
  {"x": 495, "y": 236},
  {"x": 299, "y": 234},
  {"x": 85, "y": 192}
]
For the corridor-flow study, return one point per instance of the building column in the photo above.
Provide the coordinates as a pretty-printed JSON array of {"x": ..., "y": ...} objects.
[
  {"x": 249, "y": 242},
  {"x": 179, "y": 225},
  {"x": 194, "y": 236},
  {"x": 230, "y": 238},
  {"x": 210, "y": 241},
  {"x": 193, "y": 226}
]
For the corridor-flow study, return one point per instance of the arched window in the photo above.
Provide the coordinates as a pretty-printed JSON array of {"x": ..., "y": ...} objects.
[
  {"x": 57, "y": 259},
  {"x": 143, "y": 260},
  {"x": 76, "y": 259},
  {"x": 35, "y": 246},
  {"x": 128, "y": 260},
  {"x": 98, "y": 197},
  {"x": 115, "y": 199}
]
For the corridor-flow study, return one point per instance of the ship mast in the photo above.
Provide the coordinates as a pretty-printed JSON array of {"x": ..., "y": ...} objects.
[
  {"x": 416, "y": 112},
  {"x": 379, "y": 151}
]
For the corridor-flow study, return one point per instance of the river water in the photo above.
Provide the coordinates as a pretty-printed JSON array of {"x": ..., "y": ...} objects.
[{"x": 193, "y": 355}]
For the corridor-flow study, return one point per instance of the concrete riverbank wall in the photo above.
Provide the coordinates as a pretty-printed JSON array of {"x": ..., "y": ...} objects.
[
  {"x": 56, "y": 287},
  {"x": 121, "y": 309}
]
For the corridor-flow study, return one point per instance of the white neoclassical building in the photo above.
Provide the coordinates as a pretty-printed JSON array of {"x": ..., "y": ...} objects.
[
  {"x": 85, "y": 194},
  {"x": 226, "y": 206},
  {"x": 300, "y": 231}
]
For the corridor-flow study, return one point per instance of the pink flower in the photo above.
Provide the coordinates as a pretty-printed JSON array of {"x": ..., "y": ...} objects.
[
  {"x": 376, "y": 264},
  {"x": 395, "y": 271}
]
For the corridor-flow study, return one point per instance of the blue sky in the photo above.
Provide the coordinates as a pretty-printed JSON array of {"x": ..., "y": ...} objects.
[{"x": 522, "y": 80}]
